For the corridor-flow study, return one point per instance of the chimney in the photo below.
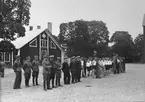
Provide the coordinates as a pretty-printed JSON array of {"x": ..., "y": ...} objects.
[
  {"x": 50, "y": 26},
  {"x": 38, "y": 27},
  {"x": 30, "y": 28}
]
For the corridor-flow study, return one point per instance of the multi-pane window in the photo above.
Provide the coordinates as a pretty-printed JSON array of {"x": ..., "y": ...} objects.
[
  {"x": 52, "y": 45},
  {"x": 43, "y": 43}
]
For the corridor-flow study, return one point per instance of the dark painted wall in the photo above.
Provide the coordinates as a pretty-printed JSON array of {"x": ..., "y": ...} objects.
[
  {"x": 26, "y": 50},
  {"x": 56, "y": 52}
]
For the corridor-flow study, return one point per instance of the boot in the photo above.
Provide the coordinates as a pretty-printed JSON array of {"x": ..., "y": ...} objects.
[{"x": 37, "y": 81}]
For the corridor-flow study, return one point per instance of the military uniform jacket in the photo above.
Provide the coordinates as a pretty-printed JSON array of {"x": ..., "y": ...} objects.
[
  {"x": 52, "y": 64},
  {"x": 65, "y": 67},
  {"x": 27, "y": 67},
  {"x": 73, "y": 66},
  {"x": 17, "y": 66},
  {"x": 35, "y": 65},
  {"x": 46, "y": 66},
  {"x": 2, "y": 65},
  {"x": 78, "y": 65},
  {"x": 58, "y": 65}
]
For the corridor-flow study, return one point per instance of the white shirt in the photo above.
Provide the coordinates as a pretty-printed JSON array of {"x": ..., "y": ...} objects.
[
  {"x": 93, "y": 62},
  {"x": 88, "y": 64}
]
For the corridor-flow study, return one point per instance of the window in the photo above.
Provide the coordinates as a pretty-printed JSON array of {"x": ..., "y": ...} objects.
[
  {"x": 1, "y": 55},
  {"x": 7, "y": 57},
  {"x": 33, "y": 43},
  {"x": 52, "y": 45},
  {"x": 43, "y": 43}
]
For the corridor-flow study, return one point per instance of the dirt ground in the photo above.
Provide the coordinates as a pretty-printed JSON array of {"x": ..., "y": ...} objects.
[{"x": 125, "y": 87}]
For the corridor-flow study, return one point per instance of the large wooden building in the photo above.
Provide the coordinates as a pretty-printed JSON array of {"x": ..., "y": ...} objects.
[{"x": 36, "y": 42}]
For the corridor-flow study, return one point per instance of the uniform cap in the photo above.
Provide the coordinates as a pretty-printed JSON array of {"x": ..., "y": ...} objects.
[
  {"x": 58, "y": 58},
  {"x": 51, "y": 56}
]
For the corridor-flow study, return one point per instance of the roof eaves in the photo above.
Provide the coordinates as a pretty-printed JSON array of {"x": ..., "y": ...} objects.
[{"x": 48, "y": 32}]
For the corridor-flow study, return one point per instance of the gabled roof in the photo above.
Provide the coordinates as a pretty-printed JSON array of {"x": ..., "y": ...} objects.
[
  {"x": 54, "y": 40},
  {"x": 143, "y": 24},
  {"x": 29, "y": 35},
  {"x": 20, "y": 42}
]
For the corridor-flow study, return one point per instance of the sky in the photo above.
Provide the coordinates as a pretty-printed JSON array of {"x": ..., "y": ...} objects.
[{"x": 119, "y": 15}]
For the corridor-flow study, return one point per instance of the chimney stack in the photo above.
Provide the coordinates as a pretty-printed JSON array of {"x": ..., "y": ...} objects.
[
  {"x": 38, "y": 27},
  {"x": 50, "y": 26},
  {"x": 30, "y": 28}
]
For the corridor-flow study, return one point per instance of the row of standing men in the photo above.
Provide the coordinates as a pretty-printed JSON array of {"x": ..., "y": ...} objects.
[{"x": 51, "y": 71}]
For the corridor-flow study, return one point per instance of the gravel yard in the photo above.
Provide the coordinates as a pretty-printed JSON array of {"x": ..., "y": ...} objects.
[{"x": 124, "y": 87}]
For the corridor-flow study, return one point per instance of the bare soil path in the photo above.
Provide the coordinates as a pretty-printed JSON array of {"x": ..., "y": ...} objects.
[{"x": 125, "y": 87}]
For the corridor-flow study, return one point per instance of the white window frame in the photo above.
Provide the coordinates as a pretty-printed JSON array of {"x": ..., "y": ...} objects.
[
  {"x": 44, "y": 43},
  {"x": 5, "y": 58},
  {"x": 32, "y": 42},
  {"x": 52, "y": 47}
]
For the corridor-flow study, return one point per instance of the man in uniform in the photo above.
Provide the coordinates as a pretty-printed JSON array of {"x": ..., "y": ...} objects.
[
  {"x": 84, "y": 63},
  {"x": 35, "y": 69},
  {"x": 73, "y": 70},
  {"x": 114, "y": 64},
  {"x": 93, "y": 67},
  {"x": 46, "y": 72},
  {"x": 58, "y": 72},
  {"x": 27, "y": 71},
  {"x": 78, "y": 69},
  {"x": 123, "y": 62},
  {"x": 18, "y": 72},
  {"x": 2, "y": 67},
  {"x": 53, "y": 70},
  {"x": 66, "y": 71}
]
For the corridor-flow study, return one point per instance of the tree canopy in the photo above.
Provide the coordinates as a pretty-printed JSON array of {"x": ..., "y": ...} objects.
[
  {"x": 139, "y": 47},
  {"x": 14, "y": 15},
  {"x": 83, "y": 37},
  {"x": 6, "y": 46},
  {"x": 124, "y": 45}
]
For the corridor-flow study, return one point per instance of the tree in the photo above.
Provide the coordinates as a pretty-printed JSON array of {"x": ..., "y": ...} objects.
[
  {"x": 14, "y": 15},
  {"x": 139, "y": 47},
  {"x": 83, "y": 37},
  {"x": 6, "y": 46},
  {"x": 99, "y": 36},
  {"x": 123, "y": 44}
]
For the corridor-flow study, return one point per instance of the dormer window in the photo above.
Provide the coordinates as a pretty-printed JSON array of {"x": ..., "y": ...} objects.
[
  {"x": 52, "y": 45},
  {"x": 33, "y": 43}
]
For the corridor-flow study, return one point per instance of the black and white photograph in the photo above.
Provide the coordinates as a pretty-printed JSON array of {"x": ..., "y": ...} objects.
[{"x": 72, "y": 50}]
